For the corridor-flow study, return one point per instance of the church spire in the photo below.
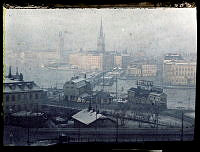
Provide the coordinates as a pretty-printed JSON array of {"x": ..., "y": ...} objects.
[
  {"x": 101, "y": 39},
  {"x": 101, "y": 29}
]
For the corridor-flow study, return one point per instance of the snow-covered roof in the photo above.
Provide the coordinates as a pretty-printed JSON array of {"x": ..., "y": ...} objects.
[
  {"x": 19, "y": 86},
  {"x": 87, "y": 117},
  {"x": 7, "y": 80},
  {"x": 155, "y": 93},
  {"x": 78, "y": 80},
  {"x": 84, "y": 95},
  {"x": 27, "y": 113}
]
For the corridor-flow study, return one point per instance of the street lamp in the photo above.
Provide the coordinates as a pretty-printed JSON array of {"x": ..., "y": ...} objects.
[
  {"x": 181, "y": 108},
  {"x": 117, "y": 115}
]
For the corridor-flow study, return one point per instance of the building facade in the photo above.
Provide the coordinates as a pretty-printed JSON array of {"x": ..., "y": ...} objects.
[
  {"x": 74, "y": 88},
  {"x": 86, "y": 61},
  {"x": 126, "y": 61},
  {"x": 108, "y": 62},
  {"x": 149, "y": 70},
  {"x": 179, "y": 73},
  {"x": 21, "y": 95},
  {"x": 134, "y": 71},
  {"x": 118, "y": 60},
  {"x": 92, "y": 61},
  {"x": 144, "y": 70},
  {"x": 147, "y": 94}
]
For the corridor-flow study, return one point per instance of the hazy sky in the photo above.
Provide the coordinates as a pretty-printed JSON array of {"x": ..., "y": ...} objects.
[{"x": 166, "y": 29}]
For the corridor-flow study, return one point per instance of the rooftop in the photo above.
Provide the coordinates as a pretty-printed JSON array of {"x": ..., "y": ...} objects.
[
  {"x": 7, "y": 80},
  {"x": 19, "y": 86},
  {"x": 144, "y": 93},
  {"x": 87, "y": 117},
  {"x": 181, "y": 62},
  {"x": 26, "y": 113},
  {"x": 78, "y": 80}
]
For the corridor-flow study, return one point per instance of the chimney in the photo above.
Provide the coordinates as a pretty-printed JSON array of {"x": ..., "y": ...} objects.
[
  {"x": 10, "y": 74},
  {"x": 17, "y": 71},
  {"x": 90, "y": 107},
  {"x": 21, "y": 77}
]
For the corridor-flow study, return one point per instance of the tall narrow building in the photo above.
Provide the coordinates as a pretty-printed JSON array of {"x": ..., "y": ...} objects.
[{"x": 101, "y": 40}]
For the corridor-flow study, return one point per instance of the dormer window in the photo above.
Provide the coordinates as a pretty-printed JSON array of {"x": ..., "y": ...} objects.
[
  {"x": 21, "y": 86},
  {"x": 30, "y": 86},
  {"x": 12, "y": 86}
]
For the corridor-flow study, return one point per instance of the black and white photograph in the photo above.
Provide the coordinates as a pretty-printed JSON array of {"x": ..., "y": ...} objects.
[{"x": 85, "y": 75}]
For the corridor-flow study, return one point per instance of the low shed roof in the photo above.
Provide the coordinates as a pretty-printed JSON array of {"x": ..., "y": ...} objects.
[{"x": 87, "y": 117}]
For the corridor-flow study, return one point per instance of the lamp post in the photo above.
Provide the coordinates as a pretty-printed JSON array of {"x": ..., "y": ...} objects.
[
  {"x": 188, "y": 84},
  {"x": 116, "y": 85},
  {"x": 96, "y": 121},
  {"x": 117, "y": 115},
  {"x": 182, "y": 115}
]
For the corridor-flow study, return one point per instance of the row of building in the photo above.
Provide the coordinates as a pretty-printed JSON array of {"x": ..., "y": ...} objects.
[
  {"x": 147, "y": 94},
  {"x": 79, "y": 89},
  {"x": 142, "y": 70},
  {"x": 93, "y": 60},
  {"x": 178, "y": 71},
  {"x": 175, "y": 70}
]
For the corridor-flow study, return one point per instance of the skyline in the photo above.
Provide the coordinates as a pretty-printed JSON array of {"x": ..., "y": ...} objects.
[{"x": 163, "y": 29}]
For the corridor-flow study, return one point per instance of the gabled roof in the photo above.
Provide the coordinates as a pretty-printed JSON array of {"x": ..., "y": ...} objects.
[{"x": 87, "y": 117}]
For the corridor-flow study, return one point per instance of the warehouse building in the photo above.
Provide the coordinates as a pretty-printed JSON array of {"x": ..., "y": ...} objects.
[
  {"x": 76, "y": 87},
  {"x": 91, "y": 118},
  {"x": 148, "y": 95}
]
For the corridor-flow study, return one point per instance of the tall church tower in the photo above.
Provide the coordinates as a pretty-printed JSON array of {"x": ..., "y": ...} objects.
[{"x": 101, "y": 40}]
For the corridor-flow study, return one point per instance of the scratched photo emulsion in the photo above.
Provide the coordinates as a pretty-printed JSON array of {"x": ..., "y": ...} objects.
[{"x": 98, "y": 75}]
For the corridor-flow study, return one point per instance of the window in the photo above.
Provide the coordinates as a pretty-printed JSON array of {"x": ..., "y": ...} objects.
[
  {"x": 25, "y": 96},
  {"x": 7, "y": 98},
  {"x": 36, "y": 96},
  {"x": 13, "y": 97},
  {"x": 19, "y": 96}
]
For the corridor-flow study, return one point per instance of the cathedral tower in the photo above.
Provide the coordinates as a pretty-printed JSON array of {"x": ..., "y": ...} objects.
[{"x": 101, "y": 40}]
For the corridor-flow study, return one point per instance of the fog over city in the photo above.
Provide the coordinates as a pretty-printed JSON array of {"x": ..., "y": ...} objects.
[
  {"x": 152, "y": 30},
  {"x": 99, "y": 75}
]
